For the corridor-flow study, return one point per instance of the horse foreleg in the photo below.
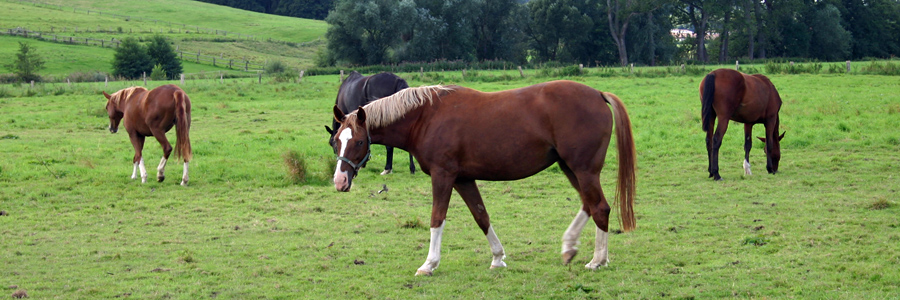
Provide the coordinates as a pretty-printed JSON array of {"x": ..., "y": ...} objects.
[
  {"x": 468, "y": 190},
  {"x": 709, "y": 151},
  {"x": 389, "y": 165},
  {"x": 748, "y": 143},
  {"x": 137, "y": 142},
  {"x": 441, "y": 187}
]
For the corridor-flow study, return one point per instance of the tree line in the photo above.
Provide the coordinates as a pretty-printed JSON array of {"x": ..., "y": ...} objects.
[
  {"x": 308, "y": 9},
  {"x": 608, "y": 32}
]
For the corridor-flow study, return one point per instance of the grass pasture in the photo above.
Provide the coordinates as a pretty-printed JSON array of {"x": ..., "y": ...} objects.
[{"x": 76, "y": 227}]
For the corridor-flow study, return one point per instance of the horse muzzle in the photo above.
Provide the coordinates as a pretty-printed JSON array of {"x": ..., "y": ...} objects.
[
  {"x": 342, "y": 182},
  {"x": 113, "y": 130}
]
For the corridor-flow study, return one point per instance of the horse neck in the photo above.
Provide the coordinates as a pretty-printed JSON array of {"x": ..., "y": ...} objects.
[{"x": 397, "y": 134}]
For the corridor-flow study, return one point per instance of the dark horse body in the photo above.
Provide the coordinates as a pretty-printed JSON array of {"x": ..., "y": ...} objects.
[
  {"x": 460, "y": 135},
  {"x": 153, "y": 113},
  {"x": 358, "y": 90},
  {"x": 750, "y": 99}
]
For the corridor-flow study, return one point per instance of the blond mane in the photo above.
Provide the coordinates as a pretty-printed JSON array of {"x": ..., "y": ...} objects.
[
  {"x": 387, "y": 110},
  {"x": 125, "y": 93}
]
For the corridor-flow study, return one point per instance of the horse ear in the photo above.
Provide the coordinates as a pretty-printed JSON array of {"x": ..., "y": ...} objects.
[
  {"x": 107, "y": 95},
  {"x": 328, "y": 129},
  {"x": 361, "y": 115},
  {"x": 780, "y": 137},
  {"x": 762, "y": 139},
  {"x": 338, "y": 114}
]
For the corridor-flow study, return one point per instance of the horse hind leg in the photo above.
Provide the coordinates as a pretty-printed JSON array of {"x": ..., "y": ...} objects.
[
  {"x": 595, "y": 206},
  {"x": 570, "y": 237},
  {"x": 748, "y": 143},
  {"x": 468, "y": 190},
  {"x": 167, "y": 150},
  {"x": 716, "y": 145}
]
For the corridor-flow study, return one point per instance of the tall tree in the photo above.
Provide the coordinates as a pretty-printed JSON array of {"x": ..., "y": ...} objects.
[
  {"x": 362, "y": 32},
  {"x": 829, "y": 41},
  {"x": 163, "y": 55},
  {"x": 554, "y": 25},
  {"x": 619, "y": 14},
  {"x": 698, "y": 13},
  {"x": 27, "y": 63},
  {"x": 131, "y": 59}
]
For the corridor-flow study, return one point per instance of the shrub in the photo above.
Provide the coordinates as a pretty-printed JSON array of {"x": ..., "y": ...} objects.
[
  {"x": 296, "y": 166},
  {"x": 163, "y": 55},
  {"x": 158, "y": 73},
  {"x": 27, "y": 63},
  {"x": 275, "y": 67},
  {"x": 131, "y": 60}
]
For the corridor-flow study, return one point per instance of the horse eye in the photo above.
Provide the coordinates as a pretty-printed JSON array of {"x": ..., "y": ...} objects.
[{"x": 359, "y": 143}]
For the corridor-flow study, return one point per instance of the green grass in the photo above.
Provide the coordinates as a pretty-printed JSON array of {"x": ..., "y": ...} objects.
[
  {"x": 78, "y": 227},
  {"x": 293, "y": 41}
]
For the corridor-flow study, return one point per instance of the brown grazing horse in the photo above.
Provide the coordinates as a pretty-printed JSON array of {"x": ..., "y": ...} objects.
[
  {"x": 358, "y": 90},
  {"x": 460, "y": 135},
  {"x": 749, "y": 99},
  {"x": 153, "y": 113}
]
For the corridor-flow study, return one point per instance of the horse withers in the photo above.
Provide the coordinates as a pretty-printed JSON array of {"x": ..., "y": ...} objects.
[
  {"x": 461, "y": 135},
  {"x": 153, "y": 113},
  {"x": 750, "y": 99},
  {"x": 358, "y": 90}
]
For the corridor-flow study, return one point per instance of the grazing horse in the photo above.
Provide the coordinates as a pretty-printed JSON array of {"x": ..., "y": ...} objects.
[
  {"x": 460, "y": 135},
  {"x": 358, "y": 90},
  {"x": 749, "y": 99},
  {"x": 153, "y": 113}
]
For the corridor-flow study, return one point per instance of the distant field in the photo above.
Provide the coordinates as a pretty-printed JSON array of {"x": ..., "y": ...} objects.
[
  {"x": 295, "y": 42},
  {"x": 825, "y": 227},
  {"x": 61, "y": 60},
  {"x": 209, "y": 15}
]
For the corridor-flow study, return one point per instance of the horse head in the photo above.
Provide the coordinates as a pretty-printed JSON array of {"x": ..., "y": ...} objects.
[
  {"x": 113, "y": 110},
  {"x": 776, "y": 152},
  {"x": 351, "y": 142}
]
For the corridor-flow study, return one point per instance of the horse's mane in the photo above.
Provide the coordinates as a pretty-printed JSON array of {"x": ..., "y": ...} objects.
[
  {"x": 125, "y": 93},
  {"x": 384, "y": 111}
]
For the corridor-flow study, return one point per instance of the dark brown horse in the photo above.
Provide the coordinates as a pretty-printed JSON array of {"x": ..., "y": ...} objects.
[
  {"x": 750, "y": 99},
  {"x": 460, "y": 135},
  {"x": 153, "y": 113},
  {"x": 358, "y": 90}
]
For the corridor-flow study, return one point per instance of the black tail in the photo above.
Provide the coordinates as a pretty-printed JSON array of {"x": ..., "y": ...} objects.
[{"x": 707, "y": 113}]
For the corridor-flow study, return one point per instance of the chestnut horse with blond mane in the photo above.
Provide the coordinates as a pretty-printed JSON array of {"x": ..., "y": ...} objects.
[
  {"x": 460, "y": 135},
  {"x": 153, "y": 113}
]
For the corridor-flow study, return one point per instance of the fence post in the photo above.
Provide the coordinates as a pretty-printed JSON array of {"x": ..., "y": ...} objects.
[
  {"x": 682, "y": 68},
  {"x": 848, "y": 66},
  {"x": 214, "y": 61},
  {"x": 421, "y": 73},
  {"x": 464, "y": 73},
  {"x": 259, "y": 76},
  {"x": 299, "y": 79},
  {"x": 632, "y": 68},
  {"x": 198, "y": 56},
  {"x": 182, "y": 78},
  {"x": 342, "y": 76},
  {"x": 105, "y": 81},
  {"x": 32, "y": 84},
  {"x": 145, "y": 78},
  {"x": 246, "y": 65},
  {"x": 221, "y": 77},
  {"x": 231, "y": 63},
  {"x": 521, "y": 73},
  {"x": 737, "y": 66},
  {"x": 68, "y": 82},
  {"x": 581, "y": 67}
]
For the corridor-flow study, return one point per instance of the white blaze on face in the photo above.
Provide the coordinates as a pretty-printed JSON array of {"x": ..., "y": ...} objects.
[{"x": 344, "y": 137}]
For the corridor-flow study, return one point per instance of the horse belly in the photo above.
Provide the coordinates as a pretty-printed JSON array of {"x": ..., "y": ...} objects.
[{"x": 511, "y": 161}]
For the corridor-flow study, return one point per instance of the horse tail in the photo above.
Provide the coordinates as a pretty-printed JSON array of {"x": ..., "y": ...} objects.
[
  {"x": 709, "y": 89},
  {"x": 182, "y": 126},
  {"x": 627, "y": 163}
]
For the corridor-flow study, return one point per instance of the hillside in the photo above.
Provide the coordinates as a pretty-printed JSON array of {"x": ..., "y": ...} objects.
[{"x": 219, "y": 31}]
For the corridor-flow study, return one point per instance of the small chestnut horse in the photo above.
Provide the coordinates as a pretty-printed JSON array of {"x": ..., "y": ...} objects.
[
  {"x": 749, "y": 99},
  {"x": 460, "y": 135},
  {"x": 153, "y": 113}
]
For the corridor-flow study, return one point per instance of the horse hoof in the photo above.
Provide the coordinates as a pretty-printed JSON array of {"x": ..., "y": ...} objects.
[
  {"x": 594, "y": 266},
  {"x": 385, "y": 172},
  {"x": 424, "y": 273},
  {"x": 717, "y": 178},
  {"x": 501, "y": 265},
  {"x": 160, "y": 179},
  {"x": 568, "y": 256},
  {"x": 184, "y": 183}
]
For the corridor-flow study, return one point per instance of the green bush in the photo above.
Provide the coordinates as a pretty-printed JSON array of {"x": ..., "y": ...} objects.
[{"x": 158, "y": 73}]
